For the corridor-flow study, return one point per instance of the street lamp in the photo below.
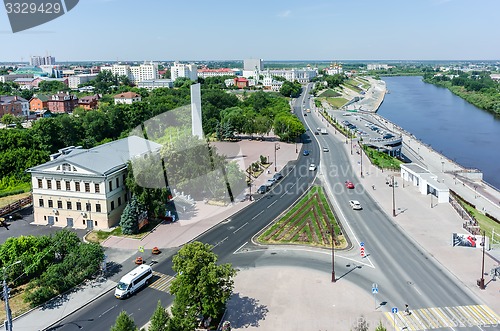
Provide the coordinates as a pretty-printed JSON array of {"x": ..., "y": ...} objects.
[
  {"x": 332, "y": 232},
  {"x": 442, "y": 166},
  {"x": 393, "y": 199},
  {"x": 480, "y": 282},
  {"x": 351, "y": 142},
  {"x": 8, "y": 313},
  {"x": 276, "y": 147},
  {"x": 361, "y": 162}
]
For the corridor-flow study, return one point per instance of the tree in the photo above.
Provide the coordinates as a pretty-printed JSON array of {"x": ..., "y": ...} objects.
[
  {"x": 160, "y": 319},
  {"x": 201, "y": 287},
  {"x": 361, "y": 324},
  {"x": 129, "y": 221},
  {"x": 380, "y": 327},
  {"x": 124, "y": 323},
  {"x": 8, "y": 119},
  {"x": 52, "y": 86}
]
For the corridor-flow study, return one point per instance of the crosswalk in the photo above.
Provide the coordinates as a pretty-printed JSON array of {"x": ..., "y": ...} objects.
[
  {"x": 161, "y": 282},
  {"x": 444, "y": 317}
]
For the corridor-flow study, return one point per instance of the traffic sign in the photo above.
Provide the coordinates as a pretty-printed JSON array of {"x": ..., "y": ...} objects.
[
  {"x": 374, "y": 290},
  {"x": 362, "y": 244},
  {"x": 362, "y": 249},
  {"x": 141, "y": 249},
  {"x": 395, "y": 310}
]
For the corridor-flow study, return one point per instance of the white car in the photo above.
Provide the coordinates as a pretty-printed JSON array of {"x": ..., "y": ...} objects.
[
  {"x": 325, "y": 149},
  {"x": 355, "y": 204},
  {"x": 312, "y": 167}
]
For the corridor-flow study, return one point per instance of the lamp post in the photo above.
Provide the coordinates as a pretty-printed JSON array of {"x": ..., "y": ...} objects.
[
  {"x": 361, "y": 159},
  {"x": 332, "y": 232},
  {"x": 351, "y": 142},
  {"x": 442, "y": 166},
  {"x": 276, "y": 147},
  {"x": 480, "y": 282},
  {"x": 475, "y": 191},
  {"x": 8, "y": 313},
  {"x": 393, "y": 199}
]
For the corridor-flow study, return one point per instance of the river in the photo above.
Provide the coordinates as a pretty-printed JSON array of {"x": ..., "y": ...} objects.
[{"x": 462, "y": 132}]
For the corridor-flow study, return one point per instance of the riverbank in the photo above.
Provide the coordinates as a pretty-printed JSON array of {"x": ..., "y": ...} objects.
[{"x": 371, "y": 99}]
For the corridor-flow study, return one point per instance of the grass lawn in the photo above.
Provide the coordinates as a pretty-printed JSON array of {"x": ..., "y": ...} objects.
[
  {"x": 485, "y": 223},
  {"x": 329, "y": 93},
  {"x": 4, "y": 201},
  {"x": 308, "y": 223},
  {"x": 381, "y": 159},
  {"x": 336, "y": 103},
  {"x": 99, "y": 236},
  {"x": 16, "y": 303}
]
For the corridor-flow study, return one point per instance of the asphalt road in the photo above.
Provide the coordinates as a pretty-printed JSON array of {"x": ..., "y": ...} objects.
[{"x": 403, "y": 272}]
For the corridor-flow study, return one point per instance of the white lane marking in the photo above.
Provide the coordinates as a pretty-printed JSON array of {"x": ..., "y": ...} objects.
[
  {"x": 238, "y": 229},
  {"x": 220, "y": 242},
  {"x": 257, "y": 215},
  {"x": 235, "y": 252},
  {"x": 106, "y": 311},
  {"x": 272, "y": 204}
]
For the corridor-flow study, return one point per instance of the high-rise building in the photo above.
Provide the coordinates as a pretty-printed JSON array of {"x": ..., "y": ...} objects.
[
  {"x": 36, "y": 61},
  {"x": 184, "y": 70},
  {"x": 251, "y": 64},
  {"x": 136, "y": 74}
]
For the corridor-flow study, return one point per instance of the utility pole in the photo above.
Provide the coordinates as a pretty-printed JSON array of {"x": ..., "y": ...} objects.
[
  {"x": 480, "y": 282},
  {"x": 333, "y": 253},
  {"x": 393, "y": 199},
  {"x": 8, "y": 313},
  {"x": 361, "y": 162}
]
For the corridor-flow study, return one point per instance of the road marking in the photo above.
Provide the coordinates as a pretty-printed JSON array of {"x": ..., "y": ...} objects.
[
  {"x": 220, "y": 242},
  {"x": 236, "y": 251},
  {"x": 257, "y": 215},
  {"x": 272, "y": 204},
  {"x": 238, "y": 229},
  {"x": 106, "y": 311},
  {"x": 162, "y": 283},
  {"x": 479, "y": 316}
]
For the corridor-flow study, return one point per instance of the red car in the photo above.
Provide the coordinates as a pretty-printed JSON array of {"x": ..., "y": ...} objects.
[{"x": 349, "y": 184}]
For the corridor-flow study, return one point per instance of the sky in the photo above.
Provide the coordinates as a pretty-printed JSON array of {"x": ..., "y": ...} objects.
[{"x": 143, "y": 30}]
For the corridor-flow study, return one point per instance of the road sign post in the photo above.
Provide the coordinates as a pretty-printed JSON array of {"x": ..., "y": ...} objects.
[
  {"x": 394, "y": 312},
  {"x": 375, "y": 291}
]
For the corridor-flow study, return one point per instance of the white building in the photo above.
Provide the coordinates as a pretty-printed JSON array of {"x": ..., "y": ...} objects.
[
  {"x": 426, "y": 182},
  {"x": 205, "y": 72},
  {"x": 85, "y": 188},
  {"x": 301, "y": 75},
  {"x": 378, "y": 66},
  {"x": 136, "y": 74},
  {"x": 252, "y": 64},
  {"x": 13, "y": 77},
  {"x": 151, "y": 84},
  {"x": 184, "y": 70},
  {"x": 272, "y": 84},
  {"x": 334, "y": 69},
  {"x": 37, "y": 61},
  {"x": 127, "y": 98},
  {"x": 74, "y": 81}
]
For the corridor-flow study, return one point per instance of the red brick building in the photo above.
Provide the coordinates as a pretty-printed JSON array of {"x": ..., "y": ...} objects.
[
  {"x": 62, "y": 103},
  {"x": 89, "y": 102},
  {"x": 39, "y": 102},
  {"x": 241, "y": 82},
  {"x": 10, "y": 105}
]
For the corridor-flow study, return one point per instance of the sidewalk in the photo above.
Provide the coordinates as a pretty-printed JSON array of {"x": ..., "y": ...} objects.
[{"x": 123, "y": 250}]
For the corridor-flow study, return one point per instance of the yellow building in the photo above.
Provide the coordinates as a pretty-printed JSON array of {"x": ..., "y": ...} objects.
[{"x": 85, "y": 188}]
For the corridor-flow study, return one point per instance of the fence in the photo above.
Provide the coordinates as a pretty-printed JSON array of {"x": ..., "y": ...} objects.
[
  {"x": 16, "y": 205},
  {"x": 470, "y": 223}
]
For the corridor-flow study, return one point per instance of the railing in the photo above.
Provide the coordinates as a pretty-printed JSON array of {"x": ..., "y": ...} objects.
[
  {"x": 470, "y": 223},
  {"x": 16, "y": 205}
]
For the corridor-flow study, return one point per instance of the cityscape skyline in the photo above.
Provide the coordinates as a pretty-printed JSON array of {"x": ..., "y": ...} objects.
[{"x": 108, "y": 30}]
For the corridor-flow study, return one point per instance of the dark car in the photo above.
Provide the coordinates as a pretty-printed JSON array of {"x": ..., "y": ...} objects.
[
  {"x": 277, "y": 176},
  {"x": 306, "y": 153},
  {"x": 262, "y": 189}
]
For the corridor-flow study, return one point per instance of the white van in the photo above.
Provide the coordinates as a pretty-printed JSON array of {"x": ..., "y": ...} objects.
[{"x": 133, "y": 281}]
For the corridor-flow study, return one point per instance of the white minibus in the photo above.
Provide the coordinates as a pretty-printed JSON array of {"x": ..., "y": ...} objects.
[{"x": 133, "y": 281}]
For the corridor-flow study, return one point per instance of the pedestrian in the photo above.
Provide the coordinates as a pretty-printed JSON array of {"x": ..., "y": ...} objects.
[
  {"x": 373, "y": 187},
  {"x": 407, "y": 310}
]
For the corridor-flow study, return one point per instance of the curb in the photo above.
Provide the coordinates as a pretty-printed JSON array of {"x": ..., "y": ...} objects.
[{"x": 48, "y": 328}]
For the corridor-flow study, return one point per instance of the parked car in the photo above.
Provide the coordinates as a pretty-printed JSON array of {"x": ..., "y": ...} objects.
[
  {"x": 312, "y": 167},
  {"x": 277, "y": 176},
  {"x": 349, "y": 184},
  {"x": 262, "y": 189},
  {"x": 306, "y": 153},
  {"x": 270, "y": 182},
  {"x": 325, "y": 149},
  {"x": 355, "y": 204}
]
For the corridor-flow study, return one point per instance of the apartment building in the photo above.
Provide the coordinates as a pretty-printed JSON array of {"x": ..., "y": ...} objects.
[
  {"x": 135, "y": 74},
  {"x": 184, "y": 70},
  {"x": 85, "y": 188}
]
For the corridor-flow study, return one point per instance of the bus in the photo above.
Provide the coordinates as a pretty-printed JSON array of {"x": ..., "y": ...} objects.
[{"x": 133, "y": 281}]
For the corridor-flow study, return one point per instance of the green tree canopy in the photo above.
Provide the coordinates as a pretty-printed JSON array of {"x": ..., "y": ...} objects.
[
  {"x": 124, "y": 323},
  {"x": 160, "y": 319},
  {"x": 201, "y": 287}
]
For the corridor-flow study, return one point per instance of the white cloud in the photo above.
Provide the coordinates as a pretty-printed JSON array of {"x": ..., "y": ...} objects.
[{"x": 285, "y": 14}]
